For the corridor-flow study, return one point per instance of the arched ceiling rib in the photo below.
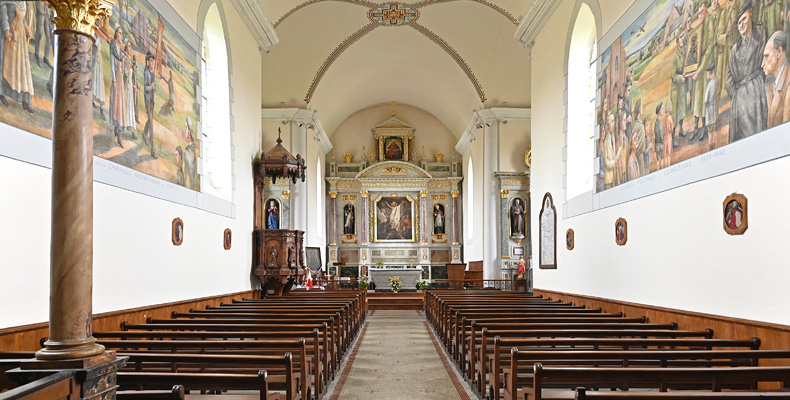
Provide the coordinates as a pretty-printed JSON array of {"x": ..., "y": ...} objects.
[{"x": 333, "y": 50}]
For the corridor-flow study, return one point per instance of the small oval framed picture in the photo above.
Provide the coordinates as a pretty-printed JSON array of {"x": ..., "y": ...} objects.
[
  {"x": 736, "y": 219},
  {"x": 227, "y": 238},
  {"x": 620, "y": 231},
  {"x": 178, "y": 232},
  {"x": 570, "y": 240}
]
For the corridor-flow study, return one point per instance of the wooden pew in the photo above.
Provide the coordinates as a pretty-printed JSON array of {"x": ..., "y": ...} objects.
[
  {"x": 303, "y": 366},
  {"x": 176, "y": 393},
  {"x": 196, "y": 381},
  {"x": 286, "y": 380},
  {"x": 584, "y": 394},
  {"x": 714, "y": 379},
  {"x": 502, "y": 350}
]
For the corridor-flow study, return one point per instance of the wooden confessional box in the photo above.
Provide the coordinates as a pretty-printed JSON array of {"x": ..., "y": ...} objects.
[{"x": 278, "y": 254}]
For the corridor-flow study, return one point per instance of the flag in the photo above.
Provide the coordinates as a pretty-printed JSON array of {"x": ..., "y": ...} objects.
[{"x": 309, "y": 280}]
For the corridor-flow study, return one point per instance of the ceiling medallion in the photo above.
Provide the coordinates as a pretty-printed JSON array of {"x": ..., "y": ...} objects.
[{"x": 393, "y": 14}]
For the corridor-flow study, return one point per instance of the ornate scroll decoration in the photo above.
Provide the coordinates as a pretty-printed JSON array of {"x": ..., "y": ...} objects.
[{"x": 80, "y": 15}]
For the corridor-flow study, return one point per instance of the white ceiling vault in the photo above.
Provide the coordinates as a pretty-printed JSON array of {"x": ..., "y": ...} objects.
[{"x": 447, "y": 57}]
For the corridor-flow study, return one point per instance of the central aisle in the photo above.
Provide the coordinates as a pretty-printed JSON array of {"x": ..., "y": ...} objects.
[{"x": 398, "y": 360}]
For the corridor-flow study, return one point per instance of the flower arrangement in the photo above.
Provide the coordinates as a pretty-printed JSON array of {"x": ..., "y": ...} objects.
[
  {"x": 396, "y": 283},
  {"x": 422, "y": 284},
  {"x": 379, "y": 264},
  {"x": 363, "y": 282}
]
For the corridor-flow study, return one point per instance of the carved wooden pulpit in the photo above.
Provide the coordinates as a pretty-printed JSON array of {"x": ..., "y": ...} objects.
[{"x": 279, "y": 258}]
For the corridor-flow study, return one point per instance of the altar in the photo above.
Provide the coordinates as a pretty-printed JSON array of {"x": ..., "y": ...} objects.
[{"x": 409, "y": 277}]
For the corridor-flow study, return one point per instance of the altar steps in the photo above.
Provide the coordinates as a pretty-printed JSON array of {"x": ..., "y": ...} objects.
[{"x": 395, "y": 301}]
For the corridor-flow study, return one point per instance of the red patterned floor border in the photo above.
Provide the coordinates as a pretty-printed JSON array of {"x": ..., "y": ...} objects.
[
  {"x": 341, "y": 381},
  {"x": 459, "y": 387}
]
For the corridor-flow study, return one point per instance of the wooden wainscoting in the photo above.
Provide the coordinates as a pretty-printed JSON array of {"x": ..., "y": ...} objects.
[
  {"x": 772, "y": 336},
  {"x": 27, "y": 337}
]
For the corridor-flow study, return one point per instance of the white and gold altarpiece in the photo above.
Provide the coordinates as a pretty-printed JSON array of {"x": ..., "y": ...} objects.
[{"x": 393, "y": 207}]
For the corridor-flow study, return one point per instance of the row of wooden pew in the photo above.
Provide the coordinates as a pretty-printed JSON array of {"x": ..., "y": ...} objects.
[
  {"x": 287, "y": 346},
  {"x": 516, "y": 346}
]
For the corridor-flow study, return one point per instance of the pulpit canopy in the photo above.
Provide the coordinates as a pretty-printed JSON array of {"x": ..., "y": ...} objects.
[{"x": 279, "y": 163}]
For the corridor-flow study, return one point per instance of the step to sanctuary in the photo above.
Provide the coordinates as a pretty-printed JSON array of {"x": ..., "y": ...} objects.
[{"x": 395, "y": 301}]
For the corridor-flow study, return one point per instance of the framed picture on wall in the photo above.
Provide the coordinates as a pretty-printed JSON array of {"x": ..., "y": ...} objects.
[
  {"x": 736, "y": 219},
  {"x": 177, "y": 233},
  {"x": 227, "y": 238},
  {"x": 394, "y": 219},
  {"x": 621, "y": 231},
  {"x": 570, "y": 239},
  {"x": 313, "y": 258},
  {"x": 518, "y": 251}
]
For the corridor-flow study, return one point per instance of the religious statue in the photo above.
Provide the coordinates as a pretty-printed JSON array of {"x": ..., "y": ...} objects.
[
  {"x": 273, "y": 257},
  {"x": 349, "y": 220},
  {"x": 438, "y": 219},
  {"x": 273, "y": 216},
  {"x": 517, "y": 220},
  {"x": 522, "y": 267}
]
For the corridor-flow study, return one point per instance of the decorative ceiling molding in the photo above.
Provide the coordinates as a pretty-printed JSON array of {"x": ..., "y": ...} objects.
[
  {"x": 335, "y": 54},
  {"x": 259, "y": 25},
  {"x": 454, "y": 54},
  {"x": 538, "y": 14},
  {"x": 304, "y": 117},
  {"x": 487, "y": 117},
  {"x": 483, "y": 2}
]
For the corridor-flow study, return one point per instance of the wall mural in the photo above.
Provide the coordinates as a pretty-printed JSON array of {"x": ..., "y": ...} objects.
[
  {"x": 687, "y": 78},
  {"x": 144, "y": 87}
]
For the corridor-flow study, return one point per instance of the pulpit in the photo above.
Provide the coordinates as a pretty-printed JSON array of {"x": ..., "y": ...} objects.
[{"x": 279, "y": 258}]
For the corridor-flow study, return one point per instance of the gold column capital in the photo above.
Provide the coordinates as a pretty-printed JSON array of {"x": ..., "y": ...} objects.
[
  {"x": 80, "y": 15},
  {"x": 332, "y": 194},
  {"x": 364, "y": 193},
  {"x": 423, "y": 193},
  {"x": 505, "y": 193},
  {"x": 286, "y": 194},
  {"x": 454, "y": 193}
]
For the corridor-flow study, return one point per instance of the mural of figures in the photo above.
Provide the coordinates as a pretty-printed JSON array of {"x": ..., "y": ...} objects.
[
  {"x": 439, "y": 220},
  {"x": 394, "y": 219},
  {"x": 349, "y": 220},
  {"x": 687, "y": 77},
  {"x": 518, "y": 215},
  {"x": 273, "y": 214},
  {"x": 134, "y": 30}
]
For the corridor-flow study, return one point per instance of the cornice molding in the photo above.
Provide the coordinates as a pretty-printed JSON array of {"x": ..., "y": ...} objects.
[
  {"x": 538, "y": 14},
  {"x": 487, "y": 117},
  {"x": 299, "y": 115},
  {"x": 257, "y": 22}
]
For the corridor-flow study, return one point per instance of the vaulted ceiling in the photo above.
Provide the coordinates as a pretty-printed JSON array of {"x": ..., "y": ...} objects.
[{"x": 447, "y": 57}]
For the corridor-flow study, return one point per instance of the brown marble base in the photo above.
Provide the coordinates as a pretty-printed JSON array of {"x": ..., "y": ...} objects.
[{"x": 95, "y": 376}]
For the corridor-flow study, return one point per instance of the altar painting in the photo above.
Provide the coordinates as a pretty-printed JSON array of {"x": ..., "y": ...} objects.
[
  {"x": 134, "y": 42},
  {"x": 681, "y": 82},
  {"x": 394, "y": 219}
]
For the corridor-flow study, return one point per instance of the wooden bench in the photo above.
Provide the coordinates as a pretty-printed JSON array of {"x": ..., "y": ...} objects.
[{"x": 584, "y": 394}]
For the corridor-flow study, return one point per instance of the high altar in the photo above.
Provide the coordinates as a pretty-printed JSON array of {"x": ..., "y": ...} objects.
[{"x": 394, "y": 206}]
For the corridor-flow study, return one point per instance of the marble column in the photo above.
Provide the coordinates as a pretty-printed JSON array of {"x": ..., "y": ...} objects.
[
  {"x": 71, "y": 250},
  {"x": 363, "y": 236},
  {"x": 454, "y": 228},
  {"x": 424, "y": 218},
  {"x": 333, "y": 218}
]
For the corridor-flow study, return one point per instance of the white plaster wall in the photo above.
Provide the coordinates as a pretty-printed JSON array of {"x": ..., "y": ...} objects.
[
  {"x": 354, "y": 132},
  {"x": 677, "y": 254},
  {"x": 135, "y": 263},
  {"x": 514, "y": 140}
]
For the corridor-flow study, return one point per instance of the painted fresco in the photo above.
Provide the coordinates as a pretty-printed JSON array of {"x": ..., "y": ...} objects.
[
  {"x": 687, "y": 77},
  {"x": 130, "y": 90}
]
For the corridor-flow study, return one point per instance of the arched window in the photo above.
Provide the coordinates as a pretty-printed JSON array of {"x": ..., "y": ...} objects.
[
  {"x": 217, "y": 161},
  {"x": 582, "y": 56},
  {"x": 469, "y": 196}
]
